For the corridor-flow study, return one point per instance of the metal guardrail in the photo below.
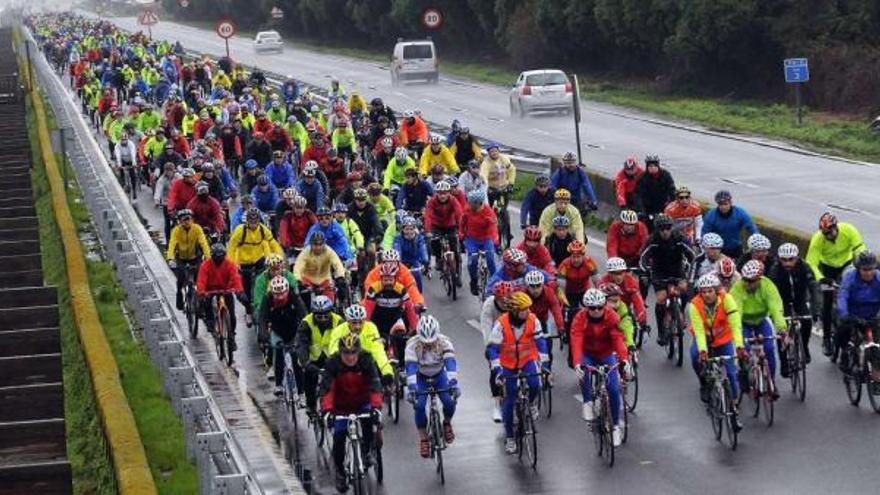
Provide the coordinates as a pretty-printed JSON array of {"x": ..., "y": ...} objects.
[{"x": 221, "y": 463}]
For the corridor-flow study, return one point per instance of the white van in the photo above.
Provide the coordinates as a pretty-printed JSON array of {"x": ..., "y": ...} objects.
[{"x": 414, "y": 60}]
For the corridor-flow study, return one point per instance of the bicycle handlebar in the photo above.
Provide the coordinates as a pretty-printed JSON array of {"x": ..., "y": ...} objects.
[{"x": 223, "y": 292}]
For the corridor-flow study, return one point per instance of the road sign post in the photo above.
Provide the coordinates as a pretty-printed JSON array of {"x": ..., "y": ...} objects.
[
  {"x": 148, "y": 18},
  {"x": 576, "y": 111},
  {"x": 225, "y": 29},
  {"x": 797, "y": 72}
]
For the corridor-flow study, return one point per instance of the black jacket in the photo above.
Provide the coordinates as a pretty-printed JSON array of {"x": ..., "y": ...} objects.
[
  {"x": 653, "y": 193},
  {"x": 797, "y": 286},
  {"x": 667, "y": 258}
]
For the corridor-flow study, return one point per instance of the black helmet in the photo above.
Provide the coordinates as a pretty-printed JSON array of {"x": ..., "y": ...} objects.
[
  {"x": 723, "y": 196},
  {"x": 218, "y": 250},
  {"x": 376, "y": 102},
  {"x": 662, "y": 221},
  {"x": 323, "y": 211},
  {"x": 253, "y": 215},
  {"x": 866, "y": 259},
  {"x": 317, "y": 238}
]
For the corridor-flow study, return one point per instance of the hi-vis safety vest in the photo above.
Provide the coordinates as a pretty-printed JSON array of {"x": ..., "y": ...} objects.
[{"x": 516, "y": 353}]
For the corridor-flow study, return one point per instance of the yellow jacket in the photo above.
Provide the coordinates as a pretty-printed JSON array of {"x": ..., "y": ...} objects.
[
  {"x": 183, "y": 243},
  {"x": 371, "y": 342},
  {"x": 316, "y": 269},
  {"x": 443, "y": 157},
  {"x": 247, "y": 246},
  {"x": 498, "y": 173}
]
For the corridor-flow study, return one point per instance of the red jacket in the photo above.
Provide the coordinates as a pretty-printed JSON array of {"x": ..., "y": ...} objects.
[
  {"x": 216, "y": 278},
  {"x": 548, "y": 305},
  {"x": 181, "y": 146},
  {"x": 625, "y": 185},
  {"x": 335, "y": 171},
  {"x": 479, "y": 225},
  {"x": 577, "y": 278},
  {"x": 539, "y": 257},
  {"x": 597, "y": 340},
  {"x": 628, "y": 247},
  {"x": 459, "y": 195},
  {"x": 201, "y": 128},
  {"x": 279, "y": 138},
  {"x": 442, "y": 215},
  {"x": 313, "y": 153},
  {"x": 180, "y": 194},
  {"x": 293, "y": 228},
  {"x": 263, "y": 125},
  {"x": 632, "y": 296},
  {"x": 207, "y": 213},
  {"x": 351, "y": 388}
]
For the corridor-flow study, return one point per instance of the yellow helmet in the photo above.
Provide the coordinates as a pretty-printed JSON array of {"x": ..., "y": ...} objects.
[
  {"x": 519, "y": 301},
  {"x": 350, "y": 342},
  {"x": 274, "y": 260},
  {"x": 562, "y": 194}
]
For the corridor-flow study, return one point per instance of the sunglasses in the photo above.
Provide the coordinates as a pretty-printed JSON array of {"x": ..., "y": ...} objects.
[
  {"x": 665, "y": 228},
  {"x": 595, "y": 308},
  {"x": 684, "y": 197}
]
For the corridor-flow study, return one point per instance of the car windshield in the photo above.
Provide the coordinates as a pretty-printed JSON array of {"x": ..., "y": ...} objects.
[
  {"x": 546, "y": 79},
  {"x": 417, "y": 51},
  {"x": 270, "y": 36}
]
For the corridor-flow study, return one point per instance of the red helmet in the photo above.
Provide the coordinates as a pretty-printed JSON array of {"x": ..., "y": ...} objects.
[
  {"x": 514, "y": 256},
  {"x": 631, "y": 162},
  {"x": 827, "y": 221},
  {"x": 726, "y": 267},
  {"x": 611, "y": 289},
  {"x": 577, "y": 247},
  {"x": 532, "y": 233},
  {"x": 389, "y": 270},
  {"x": 502, "y": 289}
]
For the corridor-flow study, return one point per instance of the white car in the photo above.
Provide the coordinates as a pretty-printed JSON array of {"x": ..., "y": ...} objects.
[
  {"x": 545, "y": 89},
  {"x": 414, "y": 60},
  {"x": 266, "y": 41}
]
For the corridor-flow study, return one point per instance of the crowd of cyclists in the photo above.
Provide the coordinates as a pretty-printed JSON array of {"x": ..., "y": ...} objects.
[{"x": 324, "y": 216}]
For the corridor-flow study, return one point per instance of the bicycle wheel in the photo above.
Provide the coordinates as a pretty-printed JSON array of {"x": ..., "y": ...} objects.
[
  {"x": 794, "y": 361},
  {"x": 547, "y": 393},
  {"x": 290, "y": 395},
  {"x": 872, "y": 387},
  {"x": 436, "y": 443},
  {"x": 356, "y": 479},
  {"x": 220, "y": 329},
  {"x": 631, "y": 396},
  {"x": 394, "y": 399},
  {"x": 608, "y": 432},
  {"x": 379, "y": 466},
  {"x": 190, "y": 303},
  {"x": 801, "y": 370},
  {"x": 624, "y": 411},
  {"x": 715, "y": 410},
  {"x": 853, "y": 380},
  {"x": 530, "y": 439},
  {"x": 519, "y": 432},
  {"x": 596, "y": 426},
  {"x": 230, "y": 336},
  {"x": 767, "y": 396},
  {"x": 317, "y": 428},
  {"x": 756, "y": 378},
  {"x": 678, "y": 328},
  {"x": 640, "y": 336},
  {"x": 730, "y": 418}
]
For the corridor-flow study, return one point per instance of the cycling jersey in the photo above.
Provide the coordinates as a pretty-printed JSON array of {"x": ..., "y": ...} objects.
[
  {"x": 558, "y": 247},
  {"x": 223, "y": 277},
  {"x": 858, "y": 298},
  {"x": 480, "y": 225},
  {"x": 577, "y": 182},
  {"x": 183, "y": 243},
  {"x": 625, "y": 187},
  {"x": 317, "y": 269},
  {"x": 207, "y": 213},
  {"x": 688, "y": 219},
  {"x": 763, "y": 303},
  {"x": 627, "y": 246},
  {"x": 575, "y": 279},
  {"x": 837, "y": 253},
  {"x": 292, "y": 228},
  {"x": 261, "y": 287},
  {"x": 248, "y": 246},
  {"x": 626, "y": 322},
  {"x": 385, "y": 305},
  {"x": 547, "y": 305},
  {"x": 384, "y": 207},
  {"x": 334, "y": 236},
  {"x": 443, "y": 157},
  {"x": 631, "y": 295},
  {"x": 729, "y": 226},
  {"x": 538, "y": 256},
  {"x": 545, "y": 223},
  {"x": 442, "y": 214},
  {"x": 395, "y": 172},
  {"x": 371, "y": 342},
  {"x": 429, "y": 361},
  {"x": 597, "y": 338},
  {"x": 404, "y": 276},
  {"x": 654, "y": 191},
  {"x": 533, "y": 205},
  {"x": 313, "y": 340},
  {"x": 498, "y": 173}
]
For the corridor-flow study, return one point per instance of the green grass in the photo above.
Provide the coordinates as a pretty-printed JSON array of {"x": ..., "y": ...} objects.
[{"x": 160, "y": 430}]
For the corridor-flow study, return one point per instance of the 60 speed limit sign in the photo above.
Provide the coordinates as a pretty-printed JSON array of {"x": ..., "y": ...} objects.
[
  {"x": 432, "y": 18},
  {"x": 225, "y": 29}
]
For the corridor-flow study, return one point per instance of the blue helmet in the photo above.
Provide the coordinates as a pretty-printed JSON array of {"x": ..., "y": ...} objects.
[
  {"x": 475, "y": 197},
  {"x": 250, "y": 164}
]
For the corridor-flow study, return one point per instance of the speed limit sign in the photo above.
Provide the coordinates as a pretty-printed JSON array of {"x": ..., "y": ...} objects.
[
  {"x": 432, "y": 18},
  {"x": 225, "y": 29}
]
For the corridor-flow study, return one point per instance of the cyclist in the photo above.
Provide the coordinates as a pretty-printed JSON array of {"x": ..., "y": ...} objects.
[
  {"x": 513, "y": 268},
  {"x": 479, "y": 231},
  {"x": 364, "y": 214},
  {"x": 716, "y": 322},
  {"x": 414, "y": 194},
  {"x": 396, "y": 169},
  {"x": 625, "y": 182},
  {"x": 437, "y": 154},
  {"x": 626, "y": 238},
  {"x": 187, "y": 247},
  {"x": 858, "y": 304},
  {"x": 538, "y": 254},
  {"x": 251, "y": 175},
  {"x": 573, "y": 178},
  {"x": 383, "y": 205},
  {"x": 317, "y": 265},
  {"x": 464, "y": 146},
  {"x": 280, "y": 171},
  {"x": 350, "y": 385},
  {"x": 219, "y": 273},
  {"x": 471, "y": 180},
  {"x": 281, "y": 312},
  {"x": 309, "y": 187},
  {"x": 249, "y": 245},
  {"x": 160, "y": 195},
  {"x": 618, "y": 274},
  {"x": 545, "y": 303},
  {"x": 759, "y": 249},
  {"x": 413, "y": 132},
  {"x": 727, "y": 273},
  {"x": 576, "y": 274},
  {"x": 357, "y": 323},
  {"x": 557, "y": 243},
  {"x": 410, "y": 243},
  {"x": 182, "y": 190},
  {"x": 312, "y": 341},
  {"x": 207, "y": 212},
  {"x": 498, "y": 172},
  {"x": 493, "y": 307},
  {"x": 404, "y": 276},
  {"x": 596, "y": 340},
  {"x": 334, "y": 235},
  {"x": 710, "y": 259},
  {"x": 686, "y": 213},
  {"x": 562, "y": 207},
  {"x": 430, "y": 362},
  {"x": 799, "y": 291},
  {"x": 613, "y": 297},
  {"x": 438, "y": 175},
  {"x": 536, "y": 201},
  {"x": 442, "y": 217},
  {"x": 654, "y": 190},
  {"x": 125, "y": 155},
  {"x": 666, "y": 257},
  {"x": 265, "y": 195},
  {"x": 759, "y": 300},
  {"x": 352, "y": 231},
  {"x": 516, "y": 345},
  {"x": 728, "y": 221},
  {"x": 294, "y": 225},
  {"x": 388, "y": 306}
]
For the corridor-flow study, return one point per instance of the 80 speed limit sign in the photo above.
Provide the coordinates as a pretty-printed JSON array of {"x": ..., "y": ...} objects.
[
  {"x": 432, "y": 18},
  {"x": 225, "y": 29}
]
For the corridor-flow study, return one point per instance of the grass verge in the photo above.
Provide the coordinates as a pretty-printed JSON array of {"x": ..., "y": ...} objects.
[{"x": 160, "y": 430}]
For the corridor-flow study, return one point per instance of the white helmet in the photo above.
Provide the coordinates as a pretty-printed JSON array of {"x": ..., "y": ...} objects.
[
  {"x": 289, "y": 193},
  {"x": 712, "y": 240},
  {"x": 615, "y": 265},
  {"x": 408, "y": 114},
  {"x": 355, "y": 312},
  {"x": 752, "y": 269},
  {"x": 428, "y": 329},
  {"x": 391, "y": 255},
  {"x": 279, "y": 285},
  {"x": 707, "y": 281},
  {"x": 758, "y": 242},
  {"x": 593, "y": 297},
  {"x": 400, "y": 153},
  {"x": 787, "y": 250},
  {"x": 311, "y": 165},
  {"x": 534, "y": 277}
]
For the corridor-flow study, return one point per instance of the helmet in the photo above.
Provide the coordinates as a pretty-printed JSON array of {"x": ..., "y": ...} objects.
[
  {"x": 662, "y": 221},
  {"x": 711, "y": 240},
  {"x": 561, "y": 221},
  {"x": 577, "y": 247},
  {"x": 389, "y": 132},
  {"x": 184, "y": 213},
  {"x": 827, "y": 221},
  {"x": 726, "y": 267},
  {"x": 787, "y": 250},
  {"x": 631, "y": 162},
  {"x": 708, "y": 281},
  {"x": 491, "y": 146},
  {"x": 311, "y": 165},
  {"x": 376, "y": 102},
  {"x": 350, "y": 342},
  {"x": 610, "y": 289},
  {"x": 513, "y": 256},
  {"x": 189, "y": 172},
  {"x": 207, "y": 167},
  {"x": 323, "y": 212},
  {"x": 534, "y": 277},
  {"x": 435, "y": 140},
  {"x": 519, "y": 301},
  {"x": 452, "y": 181},
  {"x": 533, "y": 233},
  {"x": 218, "y": 250},
  {"x": 263, "y": 180},
  {"x": 317, "y": 239},
  {"x": 279, "y": 285},
  {"x": 475, "y": 197},
  {"x": 274, "y": 260},
  {"x": 321, "y": 304},
  {"x": 865, "y": 259},
  {"x": 288, "y": 193},
  {"x": 253, "y": 215},
  {"x": 502, "y": 289},
  {"x": 758, "y": 242},
  {"x": 408, "y": 221},
  {"x": 472, "y": 164},
  {"x": 569, "y": 157},
  {"x": 340, "y": 208},
  {"x": 391, "y": 255},
  {"x": 723, "y": 196},
  {"x": 300, "y": 201},
  {"x": 652, "y": 160},
  {"x": 360, "y": 193},
  {"x": 400, "y": 154},
  {"x": 562, "y": 194},
  {"x": 593, "y": 298},
  {"x": 408, "y": 114},
  {"x": 310, "y": 172},
  {"x": 387, "y": 142},
  {"x": 629, "y": 217},
  {"x": 443, "y": 186},
  {"x": 355, "y": 312},
  {"x": 250, "y": 164},
  {"x": 389, "y": 270},
  {"x": 752, "y": 270},
  {"x": 615, "y": 264},
  {"x": 428, "y": 329},
  {"x": 682, "y": 190},
  {"x": 542, "y": 179}
]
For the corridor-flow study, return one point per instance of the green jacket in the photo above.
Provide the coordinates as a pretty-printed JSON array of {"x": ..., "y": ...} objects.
[
  {"x": 353, "y": 234},
  {"x": 148, "y": 120},
  {"x": 312, "y": 343},
  {"x": 277, "y": 115},
  {"x": 394, "y": 173},
  {"x": 261, "y": 288},
  {"x": 626, "y": 322},
  {"x": 835, "y": 253},
  {"x": 764, "y": 302}
]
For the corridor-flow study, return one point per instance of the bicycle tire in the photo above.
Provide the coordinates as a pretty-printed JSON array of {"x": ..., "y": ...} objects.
[
  {"x": 192, "y": 320},
  {"x": 757, "y": 383},
  {"x": 608, "y": 433},
  {"x": 289, "y": 390},
  {"x": 436, "y": 444},
  {"x": 531, "y": 440},
  {"x": 802, "y": 370},
  {"x": 631, "y": 398},
  {"x": 519, "y": 432},
  {"x": 624, "y": 411},
  {"x": 872, "y": 388},
  {"x": 357, "y": 479},
  {"x": 716, "y": 410},
  {"x": 853, "y": 381},
  {"x": 730, "y": 419},
  {"x": 670, "y": 342},
  {"x": 220, "y": 337},
  {"x": 379, "y": 466},
  {"x": 640, "y": 335},
  {"x": 767, "y": 396},
  {"x": 318, "y": 429},
  {"x": 548, "y": 389},
  {"x": 393, "y": 402},
  {"x": 678, "y": 326}
]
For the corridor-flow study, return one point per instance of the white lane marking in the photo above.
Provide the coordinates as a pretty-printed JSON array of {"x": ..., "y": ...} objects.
[
  {"x": 426, "y": 100},
  {"x": 851, "y": 209},
  {"x": 739, "y": 182},
  {"x": 579, "y": 398},
  {"x": 592, "y": 240},
  {"x": 495, "y": 119},
  {"x": 542, "y": 132},
  {"x": 475, "y": 325}
]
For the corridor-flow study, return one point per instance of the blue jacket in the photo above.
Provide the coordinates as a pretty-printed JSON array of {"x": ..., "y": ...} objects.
[
  {"x": 334, "y": 236},
  {"x": 228, "y": 182},
  {"x": 450, "y": 136},
  {"x": 413, "y": 198},
  {"x": 501, "y": 275},
  {"x": 858, "y": 298},
  {"x": 728, "y": 227},
  {"x": 577, "y": 183},
  {"x": 266, "y": 200},
  {"x": 533, "y": 205},
  {"x": 282, "y": 176},
  {"x": 290, "y": 90},
  {"x": 314, "y": 194},
  {"x": 412, "y": 252}
]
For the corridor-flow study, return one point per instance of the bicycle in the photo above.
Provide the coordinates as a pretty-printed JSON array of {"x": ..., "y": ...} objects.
[
  {"x": 223, "y": 340},
  {"x": 630, "y": 387},
  {"x": 763, "y": 388},
  {"x": 190, "y": 299},
  {"x": 450, "y": 268},
  {"x": 602, "y": 425},
  {"x": 288, "y": 384},
  {"x": 399, "y": 380},
  {"x": 674, "y": 322},
  {"x": 500, "y": 208},
  {"x": 545, "y": 397},
  {"x": 797, "y": 362},
  {"x": 436, "y": 435},
  {"x": 130, "y": 182},
  {"x": 356, "y": 470},
  {"x": 524, "y": 431},
  {"x": 829, "y": 288},
  {"x": 862, "y": 369},
  {"x": 482, "y": 273},
  {"x": 720, "y": 407}
]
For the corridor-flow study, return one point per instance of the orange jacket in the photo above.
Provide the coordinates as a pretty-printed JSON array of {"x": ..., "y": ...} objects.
[
  {"x": 418, "y": 131},
  {"x": 404, "y": 277}
]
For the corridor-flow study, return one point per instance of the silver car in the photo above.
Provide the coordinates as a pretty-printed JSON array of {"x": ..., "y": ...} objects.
[
  {"x": 268, "y": 41},
  {"x": 545, "y": 89}
]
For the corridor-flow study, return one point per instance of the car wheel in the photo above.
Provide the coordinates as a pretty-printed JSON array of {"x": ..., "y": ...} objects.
[
  {"x": 522, "y": 111},
  {"x": 513, "y": 112}
]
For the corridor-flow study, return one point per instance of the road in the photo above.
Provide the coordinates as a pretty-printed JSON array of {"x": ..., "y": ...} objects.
[{"x": 788, "y": 188}]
